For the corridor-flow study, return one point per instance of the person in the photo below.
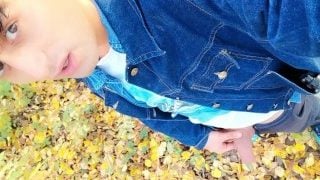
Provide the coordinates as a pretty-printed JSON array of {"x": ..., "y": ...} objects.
[{"x": 206, "y": 73}]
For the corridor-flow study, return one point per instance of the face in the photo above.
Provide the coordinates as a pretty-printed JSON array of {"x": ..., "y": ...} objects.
[{"x": 49, "y": 39}]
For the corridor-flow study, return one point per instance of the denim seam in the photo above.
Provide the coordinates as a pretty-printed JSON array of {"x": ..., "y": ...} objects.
[
  {"x": 291, "y": 83},
  {"x": 173, "y": 91},
  {"x": 261, "y": 99},
  {"x": 216, "y": 85},
  {"x": 135, "y": 8},
  {"x": 199, "y": 58},
  {"x": 195, "y": 86},
  {"x": 200, "y": 142},
  {"x": 150, "y": 54},
  {"x": 201, "y": 9},
  {"x": 147, "y": 55},
  {"x": 258, "y": 79},
  {"x": 211, "y": 88}
]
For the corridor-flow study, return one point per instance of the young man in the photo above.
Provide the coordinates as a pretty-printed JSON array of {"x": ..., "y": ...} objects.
[{"x": 191, "y": 70}]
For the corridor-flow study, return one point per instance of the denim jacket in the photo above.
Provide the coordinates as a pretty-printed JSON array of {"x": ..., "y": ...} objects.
[{"x": 231, "y": 54}]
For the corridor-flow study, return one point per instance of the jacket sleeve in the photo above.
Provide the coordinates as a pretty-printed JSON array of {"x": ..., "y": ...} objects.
[{"x": 288, "y": 29}]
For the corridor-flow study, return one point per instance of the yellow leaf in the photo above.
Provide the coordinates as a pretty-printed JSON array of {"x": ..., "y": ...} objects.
[
  {"x": 298, "y": 169},
  {"x": 185, "y": 155},
  {"x": 91, "y": 148},
  {"x": 281, "y": 153},
  {"x": 143, "y": 145},
  {"x": 153, "y": 143},
  {"x": 299, "y": 147},
  {"x": 200, "y": 162},
  {"x": 268, "y": 158},
  {"x": 40, "y": 137},
  {"x": 36, "y": 157},
  {"x": 66, "y": 168},
  {"x": 309, "y": 160},
  {"x": 154, "y": 155},
  {"x": 148, "y": 163},
  {"x": 65, "y": 153},
  {"x": 104, "y": 166},
  {"x": 216, "y": 173},
  {"x": 3, "y": 144},
  {"x": 55, "y": 103},
  {"x": 134, "y": 171},
  {"x": 279, "y": 171},
  {"x": 189, "y": 175}
]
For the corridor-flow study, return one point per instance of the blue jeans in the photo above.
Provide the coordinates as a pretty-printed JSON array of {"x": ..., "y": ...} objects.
[{"x": 295, "y": 119}]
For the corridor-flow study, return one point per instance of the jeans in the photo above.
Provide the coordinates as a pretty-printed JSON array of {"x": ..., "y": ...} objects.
[{"x": 295, "y": 119}]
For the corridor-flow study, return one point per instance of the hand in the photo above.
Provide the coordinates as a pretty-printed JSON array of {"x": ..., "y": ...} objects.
[
  {"x": 222, "y": 141},
  {"x": 244, "y": 145},
  {"x": 225, "y": 140}
]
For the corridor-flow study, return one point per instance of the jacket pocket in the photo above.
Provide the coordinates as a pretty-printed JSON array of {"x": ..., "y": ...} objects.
[{"x": 224, "y": 69}]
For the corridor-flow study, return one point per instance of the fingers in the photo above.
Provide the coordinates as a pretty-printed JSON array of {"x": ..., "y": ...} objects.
[
  {"x": 228, "y": 146},
  {"x": 222, "y": 141},
  {"x": 228, "y": 136}
]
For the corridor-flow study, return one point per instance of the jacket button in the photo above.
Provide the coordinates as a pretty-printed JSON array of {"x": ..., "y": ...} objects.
[
  {"x": 249, "y": 107},
  {"x": 216, "y": 105},
  {"x": 134, "y": 71},
  {"x": 221, "y": 75}
]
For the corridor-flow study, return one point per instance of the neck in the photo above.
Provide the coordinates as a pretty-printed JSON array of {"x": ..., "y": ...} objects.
[{"x": 100, "y": 31}]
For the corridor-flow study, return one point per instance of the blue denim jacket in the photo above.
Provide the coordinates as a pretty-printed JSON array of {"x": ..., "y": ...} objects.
[{"x": 233, "y": 55}]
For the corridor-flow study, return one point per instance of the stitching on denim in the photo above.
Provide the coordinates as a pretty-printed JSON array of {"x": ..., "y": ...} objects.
[
  {"x": 201, "y": 9},
  {"x": 135, "y": 8},
  {"x": 173, "y": 91},
  {"x": 211, "y": 88},
  {"x": 231, "y": 99},
  {"x": 265, "y": 65},
  {"x": 253, "y": 57},
  {"x": 292, "y": 83},
  {"x": 258, "y": 79},
  {"x": 199, "y": 58},
  {"x": 147, "y": 55},
  {"x": 150, "y": 54},
  {"x": 205, "y": 137},
  {"x": 208, "y": 89}
]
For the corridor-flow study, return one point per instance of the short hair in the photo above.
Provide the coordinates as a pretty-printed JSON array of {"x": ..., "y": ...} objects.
[{"x": 2, "y": 16}]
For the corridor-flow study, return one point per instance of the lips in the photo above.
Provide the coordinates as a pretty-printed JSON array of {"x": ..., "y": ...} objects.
[
  {"x": 66, "y": 63},
  {"x": 67, "y": 68}
]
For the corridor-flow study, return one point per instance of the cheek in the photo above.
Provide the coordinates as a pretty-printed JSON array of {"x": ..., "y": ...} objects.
[{"x": 30, "y": 62}]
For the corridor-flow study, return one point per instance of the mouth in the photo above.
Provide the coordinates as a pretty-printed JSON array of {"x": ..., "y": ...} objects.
[{"x": 67, "y": 68}]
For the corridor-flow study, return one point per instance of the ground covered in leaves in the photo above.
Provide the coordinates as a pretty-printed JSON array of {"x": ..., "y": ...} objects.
[{"x": 59, "y": 130}]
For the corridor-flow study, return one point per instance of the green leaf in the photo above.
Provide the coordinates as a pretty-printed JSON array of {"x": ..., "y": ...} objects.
[
  {"x": 5, "y": 125},
  {"x": 5, "y": 88}
]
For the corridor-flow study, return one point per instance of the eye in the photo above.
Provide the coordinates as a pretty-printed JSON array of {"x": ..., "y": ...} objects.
[
  {"x": 1, "y": 68},
  {"x": 11, "y": 32}
]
